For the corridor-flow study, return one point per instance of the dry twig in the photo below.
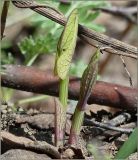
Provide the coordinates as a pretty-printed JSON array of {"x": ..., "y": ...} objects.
[
  {"x": 128, "y": 50},
  {"x": 13, "y": 141},
  {"x": 127, "y": 12},
  {"x": 107, "y": 126},
  {"x": 4, "y": 16}
]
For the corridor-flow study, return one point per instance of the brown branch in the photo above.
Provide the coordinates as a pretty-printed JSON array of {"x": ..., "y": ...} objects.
[
  {"x": 34, "y": 80},
  {"x": 59, "y": 18},
  {"x": 4, "y": 16},
  {"x": 111, "y": 124},
  {"x": 127, "y": 12},
  {"x": 12, "y": 141},
  {"x": 109, "y": 50},
  {"x": 104, "y": 63}
]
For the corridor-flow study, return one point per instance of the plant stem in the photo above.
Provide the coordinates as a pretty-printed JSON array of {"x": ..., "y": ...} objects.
[
  {"x": 31, "y": 99},
  {"x": 61, "y": 115},
  {"x": 76, "y": 125},
  {"x": 63, "y": 91},
  {"x": 31, "y": 61}
]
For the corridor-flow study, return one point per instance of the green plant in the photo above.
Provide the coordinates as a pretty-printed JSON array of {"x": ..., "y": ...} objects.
[
  {"x": 65, "y": 50},
  {"x": 88, "y": 80},
  {"x": 44, "y": 41},
  {"x": 129, "y": 147}
]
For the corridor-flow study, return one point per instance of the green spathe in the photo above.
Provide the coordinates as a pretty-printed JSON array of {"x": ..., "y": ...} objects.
[{"x": 66, "y": 46}]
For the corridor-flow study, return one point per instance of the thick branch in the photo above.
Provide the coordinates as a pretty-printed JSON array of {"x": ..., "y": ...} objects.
[
  {"x": 59, "y": 18},
  {"x": 34, "y": 80}
]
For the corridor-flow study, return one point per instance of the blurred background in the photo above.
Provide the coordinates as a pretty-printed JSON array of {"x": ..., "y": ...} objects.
[{"x": 31, "y": 39}]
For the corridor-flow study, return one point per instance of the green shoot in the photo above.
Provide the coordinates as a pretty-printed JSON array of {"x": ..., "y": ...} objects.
[
  {"x": 88, "y": 80},
  {"x": 65, "y": 50}
]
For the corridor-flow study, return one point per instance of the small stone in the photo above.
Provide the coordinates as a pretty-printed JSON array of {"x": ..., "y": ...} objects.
[
  {"x": 69, "y": 153},
  {"x": 4, "y": 111}
]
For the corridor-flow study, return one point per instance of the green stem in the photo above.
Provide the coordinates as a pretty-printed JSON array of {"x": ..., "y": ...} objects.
[
  {"x": 63, "y": 91},
  {"x": 31, "y": 61},
  {"x": 31, "y": 99},
  {"x": 76, "y": 125},
  {"x": 61, "y": 121}
]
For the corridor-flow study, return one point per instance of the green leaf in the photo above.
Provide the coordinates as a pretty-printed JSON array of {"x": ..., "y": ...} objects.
[
  {"x": 129, "y": 147},
  {"x": 32, "y": 47},
  {"x": 66, "y": 45}
]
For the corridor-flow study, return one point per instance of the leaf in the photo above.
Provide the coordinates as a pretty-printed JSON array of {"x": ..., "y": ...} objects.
[
  {"x": 88, "y": 79},
  {"x": 129, "y": 147},
  {"x": 66, "y": 45},
  {"x": 32, "y": 47}
]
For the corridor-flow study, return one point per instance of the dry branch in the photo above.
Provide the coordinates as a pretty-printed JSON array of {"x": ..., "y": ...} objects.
[
  {"x": 12, "y": 141},
  {"x": 128, "y": 13},
  {"x": 50, "y": 13},
  {"x": 18, "y": 154},
  {"x": 34, "y": 80},
  {"x": 107, "y": 126}
]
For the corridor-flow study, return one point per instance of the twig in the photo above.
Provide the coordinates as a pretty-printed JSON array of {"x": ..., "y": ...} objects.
[
  {"x": 116, "y": 121},
  {"x": 129, "y": 125},
  {"x": 125, "y": 67},
  {"x": 127, "y": 13},
  {"x": 121, "y": 118},
  {"x": 107, "y": 49},
  {"x": 13, "y": 141},
  {"x": 33, "y": 5},
  {"x": 121, "y": 57},
  {"x": 104, "y": 63},
  {"x": 34, "y": 80},
  {"x": 4, "y": 16},
  {"x": 105, "y": 40},
  {"x": 107, "y": 126}
]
